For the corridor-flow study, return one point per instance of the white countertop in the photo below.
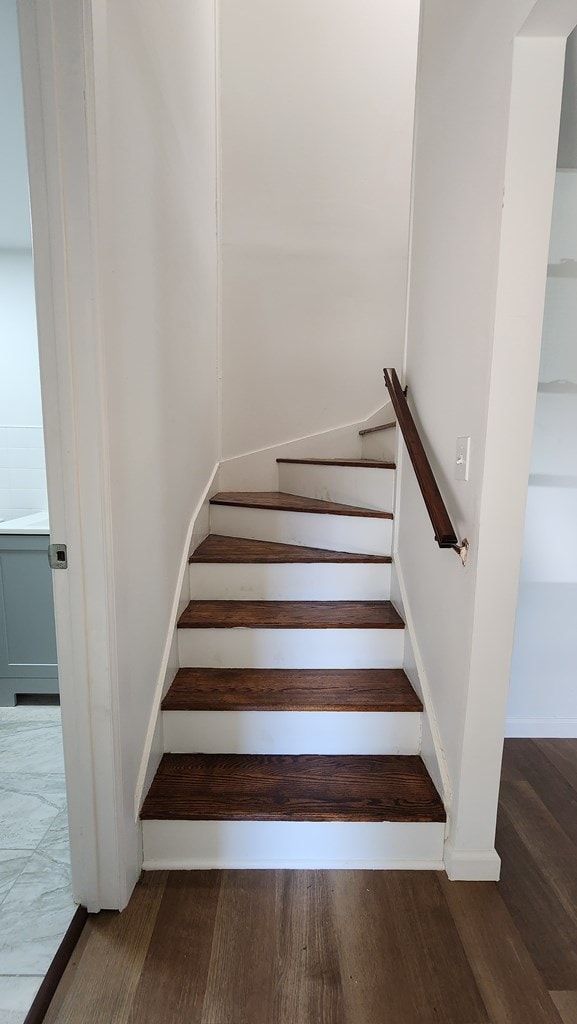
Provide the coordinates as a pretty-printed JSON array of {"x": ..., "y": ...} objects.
[{"x": 36, "y": 523}]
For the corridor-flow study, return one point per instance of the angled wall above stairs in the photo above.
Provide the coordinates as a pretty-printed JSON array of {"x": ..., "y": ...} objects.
[{"x": 317, "y": 102}]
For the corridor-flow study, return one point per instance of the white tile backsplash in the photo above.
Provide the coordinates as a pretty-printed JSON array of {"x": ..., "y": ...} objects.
[
  {"x": 8, "y": 514},
  {"x": 21, "y": 436},
  {"x": 34, "y": 498},
  {"x": 23, "y": 478},
  {"x": 22, "y": 472},
  {"x": 22, "y": 458}
]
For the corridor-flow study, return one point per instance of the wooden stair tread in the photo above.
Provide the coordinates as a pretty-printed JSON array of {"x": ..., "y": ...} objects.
[
  {"x": 252, "y": 689},
  {"x": 239, "y": 549},
  {"x": 290, "y": 615},
  {"x": 381, "y": 426},
  {"x": 291, "y": 787},
  {"x": 355, "y": 463},
  {"x": 279, "y": 501}
]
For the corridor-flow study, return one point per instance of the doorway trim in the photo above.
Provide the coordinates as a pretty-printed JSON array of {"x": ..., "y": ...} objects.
[{"x": 58, "y": 81}]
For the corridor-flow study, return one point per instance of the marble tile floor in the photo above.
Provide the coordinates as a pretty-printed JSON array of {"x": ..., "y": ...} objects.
[{"x": 36, "y": 904}]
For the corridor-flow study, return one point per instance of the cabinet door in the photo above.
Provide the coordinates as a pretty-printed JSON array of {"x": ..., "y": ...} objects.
[{"x": 27, "y": 632}]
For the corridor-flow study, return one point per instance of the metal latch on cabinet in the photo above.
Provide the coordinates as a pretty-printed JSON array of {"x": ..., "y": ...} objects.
[{"x": 58, "y": 556}]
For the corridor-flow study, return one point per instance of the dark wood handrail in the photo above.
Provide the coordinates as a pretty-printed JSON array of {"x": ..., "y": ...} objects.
[{"x": 443, "y": 528}]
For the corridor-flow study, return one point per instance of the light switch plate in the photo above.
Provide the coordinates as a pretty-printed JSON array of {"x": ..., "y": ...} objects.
[{"x": 462, "y": 458}]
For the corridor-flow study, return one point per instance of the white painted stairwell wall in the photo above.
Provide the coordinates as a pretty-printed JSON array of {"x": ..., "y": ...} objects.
[
  {"x": 458, "y": 323},
  {"x": 156, "y": 161},
  {"x": 317, "y": 103}
]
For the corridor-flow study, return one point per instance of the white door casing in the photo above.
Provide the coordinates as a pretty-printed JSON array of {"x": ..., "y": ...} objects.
[{"x": 58, "y": 77}]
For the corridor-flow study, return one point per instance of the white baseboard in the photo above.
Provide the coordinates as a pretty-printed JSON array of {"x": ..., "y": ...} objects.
[
  {"x": 472, "y": 865},
  {"x": 541, "y": 728}
]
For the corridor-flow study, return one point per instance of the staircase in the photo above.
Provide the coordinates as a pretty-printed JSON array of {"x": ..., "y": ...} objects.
[{"x": 292, "y": 734}]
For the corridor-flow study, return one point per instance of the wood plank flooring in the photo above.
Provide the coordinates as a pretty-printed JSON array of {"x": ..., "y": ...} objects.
[
  {"x": 292, "y": 787},
  {"x": 340, "y": 947},
  {"x": 290, "y": 615},
  {"x": 291, "y": 689},
  {"x": 238, "y": 549},
  {"x": 283, "y": 502}
]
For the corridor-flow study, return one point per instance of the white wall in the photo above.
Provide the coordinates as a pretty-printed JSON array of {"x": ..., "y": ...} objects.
[
  {"x": 317, "y": 100},
  {"x": 543, "y": 694},
  {"x": 567, "y": 153},
  {"x": 155, "y": 101},
  {"x": 14, "y": 205},
  {"x": 22, "y": 474},
  {"x": 464, "y": 617}
]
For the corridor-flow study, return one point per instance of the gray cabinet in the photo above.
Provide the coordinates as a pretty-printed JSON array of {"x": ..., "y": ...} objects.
[{"x": 27, "y": 633}]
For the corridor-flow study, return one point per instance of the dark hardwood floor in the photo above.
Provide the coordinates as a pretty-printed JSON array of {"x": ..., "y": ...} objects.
[{"x": 340, "y": 947}]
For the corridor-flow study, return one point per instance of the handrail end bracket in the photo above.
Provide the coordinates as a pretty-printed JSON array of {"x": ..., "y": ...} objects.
[{"x": 462, "y": 550}]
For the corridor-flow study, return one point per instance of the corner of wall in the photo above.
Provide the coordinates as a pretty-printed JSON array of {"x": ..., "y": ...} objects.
[
  {"x": 258, "y": 470},
  {"x": 472, "y": 865},
  {"x": 154, "y": 744}
]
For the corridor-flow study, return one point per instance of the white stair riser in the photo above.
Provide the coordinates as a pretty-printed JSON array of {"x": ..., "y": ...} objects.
[
  {"x": 350, "y": 485},
  {"x": 293, "y": 844},
  {"x": 380, "y": 445},
  {"x": 290, "y": 582},
  {"x": 335, "y": 533},
  {"x": 291, "y": 732},
  {"x": 290, "y": 648}
]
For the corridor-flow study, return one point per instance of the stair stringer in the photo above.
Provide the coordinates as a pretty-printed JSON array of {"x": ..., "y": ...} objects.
[
  {"x": 258, "y": 471},
  {"x": 432, "y": 751},
  {"x": 153, "y": 750}
]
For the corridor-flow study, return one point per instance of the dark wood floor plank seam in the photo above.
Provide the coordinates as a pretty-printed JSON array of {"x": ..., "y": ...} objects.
[
  {"x": 394, "y": 921},
  {"x": 550, "y": 847},
  {"x": 549, "y": 783},
  {"x": 510, "y": 985},
  {"x": 112, "y": 960},
  {"x": 173, "y": 980}
]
